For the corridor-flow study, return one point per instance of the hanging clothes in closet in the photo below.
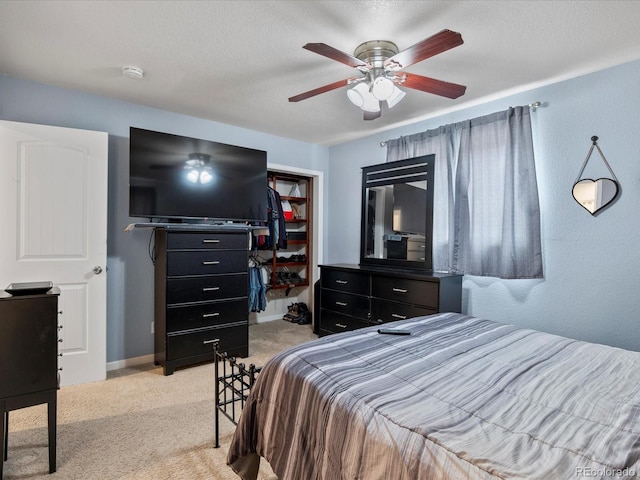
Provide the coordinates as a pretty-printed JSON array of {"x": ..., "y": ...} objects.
[
  {"x": 277, "y": 238},
  {"x": 257, "y": 286}
]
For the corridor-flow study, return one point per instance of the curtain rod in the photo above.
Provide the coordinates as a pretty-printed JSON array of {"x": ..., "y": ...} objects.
[{"x": 533, "y": 106}]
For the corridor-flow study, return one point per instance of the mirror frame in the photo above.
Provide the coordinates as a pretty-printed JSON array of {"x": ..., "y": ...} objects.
[
  {"x": 597, "y": 207},
  {"x": 390, "y": 173}
]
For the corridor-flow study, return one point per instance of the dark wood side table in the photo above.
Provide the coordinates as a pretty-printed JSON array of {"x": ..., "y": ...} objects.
[{"x": 29, "y": 360}]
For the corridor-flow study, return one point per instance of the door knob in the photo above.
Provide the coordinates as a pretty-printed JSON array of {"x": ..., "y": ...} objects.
[{"x": 97, "y": 269}]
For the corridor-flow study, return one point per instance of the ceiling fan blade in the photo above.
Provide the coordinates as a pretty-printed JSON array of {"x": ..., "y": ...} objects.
[
  {"x": 372, "y": 115},
  {"x": 435, "y": 44},
  {"x": 334, "y": 54},
  {"x": 319, "y": 90},
  {"x": 431, "y": 85}
]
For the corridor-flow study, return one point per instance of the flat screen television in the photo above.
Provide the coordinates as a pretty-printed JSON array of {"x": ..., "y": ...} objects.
[
  {"x": 181, "y": 178},
  {"x": 409, "y": 208}
]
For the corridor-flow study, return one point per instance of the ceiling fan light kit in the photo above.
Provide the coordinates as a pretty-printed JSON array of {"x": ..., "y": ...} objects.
[
  {"x": 382, "y": 88},
  {"x": 379, "y": 62},
  {"x": 361, "y": 97},
  {"x": 395, "y": 97},
  {"x": 356, "y": 97}
]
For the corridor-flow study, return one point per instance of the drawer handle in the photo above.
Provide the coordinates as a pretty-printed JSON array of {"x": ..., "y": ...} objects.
[
  {"x": 342, "y": 282},
  {"x": 211, "y": 262},
  {"x": 400, "y": 290},
  {"x": 210, "y": 241},
  {"x": 207, "y": 315},
  {"x": 210, "y": 341},
  {"x": 210, "y": 289},
  {"x": 341, "y": 304},
  {"x": 341, "y": 325},
  {"x": 396, "y": 315}
]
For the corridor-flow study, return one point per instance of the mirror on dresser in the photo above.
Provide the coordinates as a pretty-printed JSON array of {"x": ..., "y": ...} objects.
[{"x": 397, "y": 213}]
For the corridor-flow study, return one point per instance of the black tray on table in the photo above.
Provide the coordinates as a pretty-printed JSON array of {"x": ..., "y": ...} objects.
[{"x": 28, "y": 288}]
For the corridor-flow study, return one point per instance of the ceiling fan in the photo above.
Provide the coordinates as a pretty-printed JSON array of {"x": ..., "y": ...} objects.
[{"x": 380, "y": 63}]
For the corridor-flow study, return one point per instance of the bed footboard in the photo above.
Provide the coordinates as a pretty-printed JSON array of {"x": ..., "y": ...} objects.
[{"x": 233, "y": 384}]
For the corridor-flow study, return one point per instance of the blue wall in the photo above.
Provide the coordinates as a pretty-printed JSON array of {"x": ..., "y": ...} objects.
[
  {"x": 592, "y": 264},
  {"x": 130, "y": 271}
]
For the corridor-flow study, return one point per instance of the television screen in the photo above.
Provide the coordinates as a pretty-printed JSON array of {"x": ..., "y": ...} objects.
[
  {"x": 175, "y": 177},
  {"x": 410, "y": 208}
]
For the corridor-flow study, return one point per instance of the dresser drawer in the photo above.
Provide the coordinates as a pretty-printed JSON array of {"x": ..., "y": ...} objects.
[
  {"x": 333, "y": 322},
  {"x": 207, "y": 241},
  {"x": 416, "y": 256},
  {"x": 208, "y": 263},
  {"x": 383, "y": 311},
  {"x": 406, "y": 290},
  {"x": 350, "y": 282},
  {"x": 233, "y": 340},
  {"x": 345, "y": 303},
  {"x": 210, "y": 314},
  {"x": 206, "y": 288},
  {"x": 416, "y": 250},
  {"x": 416, "y": 243}
]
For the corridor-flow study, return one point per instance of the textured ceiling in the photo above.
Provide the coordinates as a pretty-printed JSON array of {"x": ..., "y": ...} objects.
[{"x": 237, "y": 62}]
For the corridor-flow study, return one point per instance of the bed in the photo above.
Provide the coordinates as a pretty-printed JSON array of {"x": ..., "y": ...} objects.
[{"x": 459, "y": 398}]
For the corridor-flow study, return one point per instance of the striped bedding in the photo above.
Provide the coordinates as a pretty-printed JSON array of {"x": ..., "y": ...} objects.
[{"x": 459, "y": 398}]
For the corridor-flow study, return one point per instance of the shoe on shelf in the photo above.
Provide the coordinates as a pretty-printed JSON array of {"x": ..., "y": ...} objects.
[{"x": 294, "y": 277}]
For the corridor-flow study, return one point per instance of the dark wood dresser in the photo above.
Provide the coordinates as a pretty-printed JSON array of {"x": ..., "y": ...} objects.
[
  {"x": 355, "y": 296},
  {"x": 201, "y": 295},
  {"x": 29, "y": 360}
]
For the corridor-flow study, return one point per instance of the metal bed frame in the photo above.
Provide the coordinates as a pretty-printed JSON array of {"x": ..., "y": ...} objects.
[{"x": 233, "y": 385}]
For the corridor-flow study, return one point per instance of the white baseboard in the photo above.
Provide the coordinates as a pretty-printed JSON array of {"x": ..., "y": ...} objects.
[
  {"x": 267, "y": 318},
  {"x": 129, "y": 362}
]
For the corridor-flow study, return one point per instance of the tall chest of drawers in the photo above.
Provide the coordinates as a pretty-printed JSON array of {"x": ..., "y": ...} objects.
[
  {"x": 353, "y": 296},
  {"x": 201, "y": 295}
]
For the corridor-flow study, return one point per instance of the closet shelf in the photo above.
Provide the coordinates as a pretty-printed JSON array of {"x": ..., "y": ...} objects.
[
  {"x": 281, "y": 286},
  {"x": 296, "y": 242},
  {"x": 298, "y": 231}
]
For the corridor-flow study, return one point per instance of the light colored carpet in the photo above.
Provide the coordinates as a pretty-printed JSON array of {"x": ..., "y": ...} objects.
[{"x": 139, "y": 424}]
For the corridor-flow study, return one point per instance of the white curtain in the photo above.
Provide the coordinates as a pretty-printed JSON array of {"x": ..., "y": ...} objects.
[{"x": 486, "y": 218}]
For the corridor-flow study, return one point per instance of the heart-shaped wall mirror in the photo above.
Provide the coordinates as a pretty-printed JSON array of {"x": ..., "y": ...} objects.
[{"x": 594, "y": 195}]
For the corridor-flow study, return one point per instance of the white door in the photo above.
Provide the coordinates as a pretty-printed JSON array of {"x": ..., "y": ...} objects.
[{"x": 53, "y": 214}]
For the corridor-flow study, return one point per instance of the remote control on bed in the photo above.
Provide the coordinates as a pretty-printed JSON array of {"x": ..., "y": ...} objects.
[{"x": 393, "y": 332}]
